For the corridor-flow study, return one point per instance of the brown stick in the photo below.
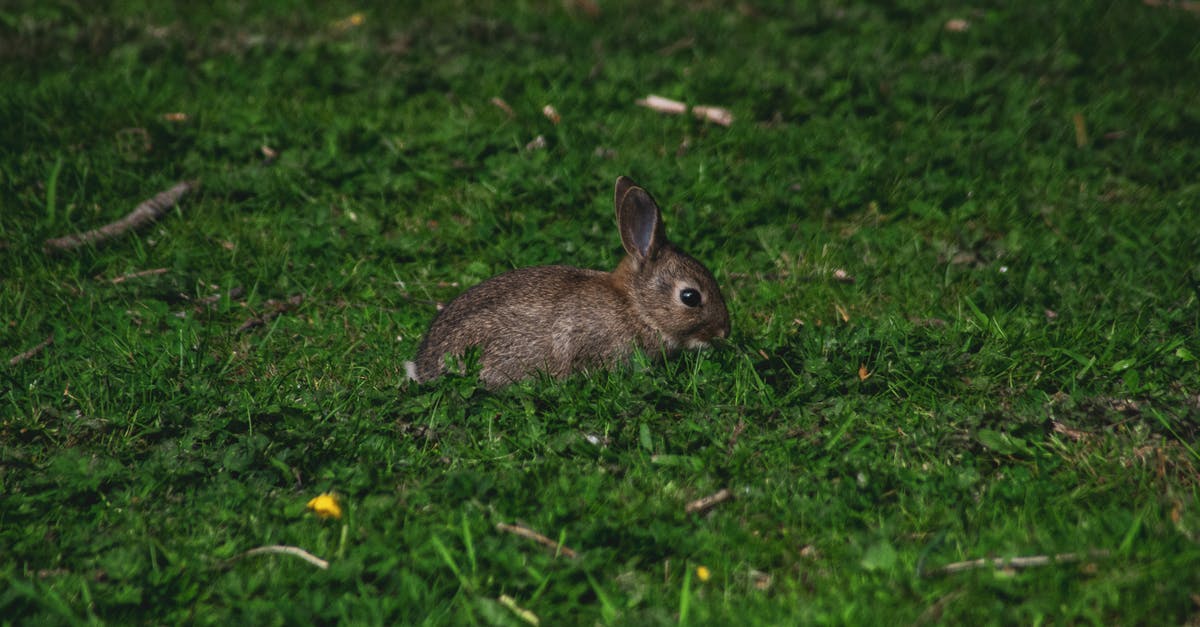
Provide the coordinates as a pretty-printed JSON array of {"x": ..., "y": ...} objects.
[
  {"x": 1015, "y": 562},
  {"x": 212, "y": 299},
  {"x": 142, "y": 215},
  {"x": 137, "y": 275},
  {"x": 701, "y": 505},
  {"x": 31, "y": 352},
  {"x": 716, "y": 115},
  {"x": 277, "y": 307},
  {"x": 1186, "y": 5},
  {"x": 526, "y": 532},
  {"x": 503, "y": 106},
  {"x": 662, "y": 105}
]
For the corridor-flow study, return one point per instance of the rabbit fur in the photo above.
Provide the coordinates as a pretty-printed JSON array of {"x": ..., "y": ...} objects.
[{"x": 560, "y": 319}]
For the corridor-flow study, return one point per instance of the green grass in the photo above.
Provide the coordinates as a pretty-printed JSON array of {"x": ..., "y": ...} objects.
[{"x": 1025, "y": 306}]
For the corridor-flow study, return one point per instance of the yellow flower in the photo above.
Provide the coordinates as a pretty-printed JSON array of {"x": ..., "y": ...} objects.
[
  {"x": 702, "y": 573},
  {"x": 326, "y": 506},
  {"x": 354, "y": 20}
]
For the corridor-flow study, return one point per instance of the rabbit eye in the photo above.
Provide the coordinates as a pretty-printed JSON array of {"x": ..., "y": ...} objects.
[{"x": 689, "y": 297}]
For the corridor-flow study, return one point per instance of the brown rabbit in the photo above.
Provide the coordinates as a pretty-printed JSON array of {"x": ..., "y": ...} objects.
[{"x": 560, "y": 319}]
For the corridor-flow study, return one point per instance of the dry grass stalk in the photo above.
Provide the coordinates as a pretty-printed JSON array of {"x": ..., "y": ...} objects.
[
  {"x": 137, "y": 275},
  {"x": 285, "y": 550},
  {"x": 704, "y": 504},
  {"x": 1014, "y": 562},
  {"x": 31, "y": 352},
  {"x": 662, "y": 105},
  {"x": 503, "y": 106},
  {"x": 1184, "y": 5},
  {"x": 142, "y": 215},
  {"x": 277, "y": 308},
  {"x": 716, "y": 115},
  {"x": 526, "y": 532}
]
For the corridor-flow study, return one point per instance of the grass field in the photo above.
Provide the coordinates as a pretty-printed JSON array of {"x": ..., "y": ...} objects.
[{"x": 961, "y": 259}]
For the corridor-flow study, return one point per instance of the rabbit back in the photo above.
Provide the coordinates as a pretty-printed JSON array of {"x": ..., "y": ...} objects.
[{"x": 555, "y": 319}]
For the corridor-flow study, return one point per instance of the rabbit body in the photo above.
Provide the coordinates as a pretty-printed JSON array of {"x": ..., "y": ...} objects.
[{"x": 559, "y": 319}]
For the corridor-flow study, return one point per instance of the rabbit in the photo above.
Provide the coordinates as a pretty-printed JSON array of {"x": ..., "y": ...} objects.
[{"x": 560, "y": 319}]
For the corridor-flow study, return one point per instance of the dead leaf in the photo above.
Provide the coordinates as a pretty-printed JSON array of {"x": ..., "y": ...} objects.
[
  {"x": 589, "y": 7},
  {"x": 538, "y": 143},
  {"x": 761, "y": 580},
  {"x": 842, "y": 276},
  {"x": 716, "y": 115},
  {"x": 964, "y": 257},
  {"x": 1081, "y": 134},
  {"x": 1074, "y": 435},
  {"x": 503, "y": 106},
  {"x": 957, "y": 25}
]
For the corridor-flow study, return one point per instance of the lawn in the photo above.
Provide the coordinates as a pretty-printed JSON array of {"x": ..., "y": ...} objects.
[{"x": 958, "y": 243}]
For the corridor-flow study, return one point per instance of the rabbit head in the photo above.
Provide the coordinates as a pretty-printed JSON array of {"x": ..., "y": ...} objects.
[{"x": 667, "y": 289}]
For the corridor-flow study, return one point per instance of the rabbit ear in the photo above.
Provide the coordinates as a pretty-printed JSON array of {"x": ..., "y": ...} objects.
[{"x": 639, "y": 220}]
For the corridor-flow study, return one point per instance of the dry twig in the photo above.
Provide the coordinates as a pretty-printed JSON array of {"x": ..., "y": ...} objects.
[
  {"x": 137, "y": 275},
  {"x": 521, "y": 612},
  {"x": 702, "y": 505},
  {"x": 716, "y": 115},
  {"x": 1014, "y": 562},
  {"x": 526, "y": 532},
  {"x": 276, "y": 308},
  {"x": 957, "y": 25},
  {"x": 142, "y": 215},
  {"x": 284, "y": 550},
  {"x": 31, "y": 352},
  {"x": 538, "y": 143},
  {"x": 200, "y": 304},
  {"x": 662, "y": 105},
  {"x": 503, "y": 106},
  {"x": 682, "y": 44},
  {"x": 1186, "y": 5},
  {"x": 733, "y": 437},
  {"x": 212, "y": 299}
]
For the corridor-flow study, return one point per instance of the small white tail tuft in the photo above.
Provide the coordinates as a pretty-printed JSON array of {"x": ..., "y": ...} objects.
[{"x": 410, "y": 368}]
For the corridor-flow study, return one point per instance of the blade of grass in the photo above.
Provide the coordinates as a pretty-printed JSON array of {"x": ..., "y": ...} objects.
[
  {"x": 1162, "y": 420},
  {"x": 442, "y": 551},
  {"x": 52, "y": 190},
  {"x": 685, "y": 596}
]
